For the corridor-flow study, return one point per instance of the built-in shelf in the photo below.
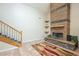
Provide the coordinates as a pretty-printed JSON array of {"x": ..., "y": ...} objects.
[
  {"x": 59, "y": 26},
  {"x": 46, "y": 32},
  {"x": 46, "y": 21},
  {"x": 58, "y": 21},
  {"x": 46, "y": 26}
]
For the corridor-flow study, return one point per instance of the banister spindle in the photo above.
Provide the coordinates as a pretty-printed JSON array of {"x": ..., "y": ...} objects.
[
  {"x": 7, "y": 30},
  {"x": 4, "y": 30},
  {"x": 12, "y": 33},
  {"x": 0, "y": 28},
  {"x": 16, "y": 35},
  {"x": 21, "y": 37}
]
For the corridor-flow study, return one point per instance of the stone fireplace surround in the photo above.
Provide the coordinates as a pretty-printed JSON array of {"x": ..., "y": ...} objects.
[
  {"x": 60, "y": 18},
  {"x": 61, "y": 27}
]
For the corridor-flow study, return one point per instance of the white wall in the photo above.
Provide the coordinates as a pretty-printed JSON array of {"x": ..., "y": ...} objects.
[
  {"x": 24, "y": 18},
  {"x": 74, "y": 18}
]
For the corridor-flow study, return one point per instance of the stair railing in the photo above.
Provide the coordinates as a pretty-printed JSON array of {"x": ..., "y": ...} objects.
[{"x": 10, "y": 32}]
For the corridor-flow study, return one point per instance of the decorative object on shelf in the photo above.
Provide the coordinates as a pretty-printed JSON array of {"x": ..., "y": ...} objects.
[
  {"x": 49, "y": 36},
  {"x": 75, "y": 40},
  {"x": 46, "y": 26},
  {"x": 46, "y": 32},
  {"x": 68, "y": 37},
  {"x": 46, "y": 21}
]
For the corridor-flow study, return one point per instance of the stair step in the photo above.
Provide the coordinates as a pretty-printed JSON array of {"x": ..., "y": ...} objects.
[{"x": 10, "y": 41}]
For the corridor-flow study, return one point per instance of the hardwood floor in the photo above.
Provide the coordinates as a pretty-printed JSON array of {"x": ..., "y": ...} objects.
[{"x": 25, "y": 50}]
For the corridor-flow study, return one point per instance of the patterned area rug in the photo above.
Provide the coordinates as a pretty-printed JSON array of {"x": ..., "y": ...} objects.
[{"x": 50, "y": 50}]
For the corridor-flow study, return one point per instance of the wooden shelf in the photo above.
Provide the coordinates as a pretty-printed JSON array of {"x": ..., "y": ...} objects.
[
  {"x": 61, "y": 20},
  {"x": 59, "y": 26},
  {"x": 46, "y": 26},
  {"x": 46, "y": 21},
  {"x": 46, "y": 32}
]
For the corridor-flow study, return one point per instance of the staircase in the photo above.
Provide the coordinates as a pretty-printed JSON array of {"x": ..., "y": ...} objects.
[{"x": 10, "y": 35}]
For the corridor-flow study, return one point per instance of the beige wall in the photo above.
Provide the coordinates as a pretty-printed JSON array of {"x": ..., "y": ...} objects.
[{"x": 74, "y": 18}]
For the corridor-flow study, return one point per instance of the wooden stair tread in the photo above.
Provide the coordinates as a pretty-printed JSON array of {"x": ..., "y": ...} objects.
[{"x": 9, "y": 41}]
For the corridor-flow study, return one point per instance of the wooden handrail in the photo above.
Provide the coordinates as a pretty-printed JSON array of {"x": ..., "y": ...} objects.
[{"x": 10, "y": 26}]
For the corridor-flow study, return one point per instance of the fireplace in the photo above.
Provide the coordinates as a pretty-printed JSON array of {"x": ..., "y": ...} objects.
[
  {"x": 57, "y": 35},
  {"x": 60, "y": 29}
]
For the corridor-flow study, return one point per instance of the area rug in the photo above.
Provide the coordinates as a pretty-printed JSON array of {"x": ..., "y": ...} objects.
[{"x": 47, "y": 50}]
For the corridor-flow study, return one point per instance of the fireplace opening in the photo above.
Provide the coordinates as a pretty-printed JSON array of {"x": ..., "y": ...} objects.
[{"x": 57, "y": 35}]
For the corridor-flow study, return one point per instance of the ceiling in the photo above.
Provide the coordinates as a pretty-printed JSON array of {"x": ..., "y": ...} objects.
[{"x": 41, "y": 7}]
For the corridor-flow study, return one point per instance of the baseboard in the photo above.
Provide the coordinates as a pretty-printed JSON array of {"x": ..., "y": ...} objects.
[{"x": 31, "y": 40}]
